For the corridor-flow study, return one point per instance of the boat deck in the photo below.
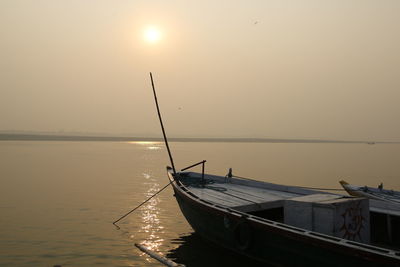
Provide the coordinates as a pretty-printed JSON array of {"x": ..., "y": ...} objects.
[
  {"x": 250, "y": 195},
  {"x": 241, "y": 195},
  {"x": 238, "y": 195}
]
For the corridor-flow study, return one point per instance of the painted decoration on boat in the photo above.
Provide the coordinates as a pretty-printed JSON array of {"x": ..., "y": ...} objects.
[{"x": 353, "y": 222}]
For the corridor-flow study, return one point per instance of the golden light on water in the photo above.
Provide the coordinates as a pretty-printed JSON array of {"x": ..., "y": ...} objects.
[
  {"x": 145, "y": 143},
  {"x": 148, "y": 144},
  {"x": 152, "y": 225}
]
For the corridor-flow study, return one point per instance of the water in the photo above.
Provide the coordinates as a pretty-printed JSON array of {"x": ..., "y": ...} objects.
[{"x": 58, "y": 199}]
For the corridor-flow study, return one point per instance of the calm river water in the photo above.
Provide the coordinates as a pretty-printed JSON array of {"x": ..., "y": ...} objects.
[{"x": 58, "y": 199}]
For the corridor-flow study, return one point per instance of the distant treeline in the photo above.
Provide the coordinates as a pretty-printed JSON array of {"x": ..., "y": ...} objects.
[{"x": 43, "y": 137}]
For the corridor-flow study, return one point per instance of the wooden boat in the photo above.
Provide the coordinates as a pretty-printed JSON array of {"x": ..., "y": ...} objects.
[
  {"x": 373, "y": 193},
  {"x": 280, "y": 225},
  {"x": 283, "y": 225}
]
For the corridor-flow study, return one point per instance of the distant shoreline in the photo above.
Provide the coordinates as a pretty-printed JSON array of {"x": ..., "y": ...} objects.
[{"x": 47, "y": 137}]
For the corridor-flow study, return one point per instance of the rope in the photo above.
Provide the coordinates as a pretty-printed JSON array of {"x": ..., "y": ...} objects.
[
  {"x": 305, "y": 187},
  {"x": 141, "y": 204}
]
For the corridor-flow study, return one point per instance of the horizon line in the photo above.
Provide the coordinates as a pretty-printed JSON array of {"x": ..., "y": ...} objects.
[{"x": 60, "y": 137}]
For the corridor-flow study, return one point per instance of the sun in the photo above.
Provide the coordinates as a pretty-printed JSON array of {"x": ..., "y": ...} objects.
[{"x": 152, "y": 35}]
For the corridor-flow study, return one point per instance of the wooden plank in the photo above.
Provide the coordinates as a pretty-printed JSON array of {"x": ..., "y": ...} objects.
[
  {"x": 239, "y": 196},
  {"x": 260, "y": 193},
  {"x": 217, "y": 197},
  {"x": 245, "y": 191}
]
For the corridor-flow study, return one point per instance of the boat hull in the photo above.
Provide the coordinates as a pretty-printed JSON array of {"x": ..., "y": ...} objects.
[{"x": 264, "y": 241}]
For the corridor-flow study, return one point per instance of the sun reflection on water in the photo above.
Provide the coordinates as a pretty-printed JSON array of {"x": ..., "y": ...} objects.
[
  {"x": 153, "y": 147},
  {"x": 149, "y": 145},
  {"x": 151, "y": 223}
]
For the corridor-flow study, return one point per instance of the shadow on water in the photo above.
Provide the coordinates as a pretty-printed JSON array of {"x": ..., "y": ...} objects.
[{"x": 194, "y": 251}]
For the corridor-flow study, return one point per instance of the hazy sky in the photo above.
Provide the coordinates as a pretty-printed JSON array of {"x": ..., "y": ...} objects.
[{"x": 283, "y": 69}]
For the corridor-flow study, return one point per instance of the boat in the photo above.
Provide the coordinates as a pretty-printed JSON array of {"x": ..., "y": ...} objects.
[
  {"x": 282, "y": 225},
  {"x": 378, "y": 193}
]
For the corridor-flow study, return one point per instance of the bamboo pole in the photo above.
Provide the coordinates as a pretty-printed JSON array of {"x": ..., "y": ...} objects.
[
  {"x": 158, "y": 256},
  {"x": 162, "y": 125}
]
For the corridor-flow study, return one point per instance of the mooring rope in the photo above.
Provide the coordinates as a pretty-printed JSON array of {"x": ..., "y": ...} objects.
[
  {"x": 141, "y": 204},
  {"x": 305, "y": 187},
  {"x": 166, "y": 144}
]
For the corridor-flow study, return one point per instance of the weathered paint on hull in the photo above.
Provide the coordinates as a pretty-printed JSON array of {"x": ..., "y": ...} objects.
[{"x": 263, "y": 243}]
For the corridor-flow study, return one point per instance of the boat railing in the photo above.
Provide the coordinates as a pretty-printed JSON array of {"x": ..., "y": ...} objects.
[{"x": 203, "y": 163}]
